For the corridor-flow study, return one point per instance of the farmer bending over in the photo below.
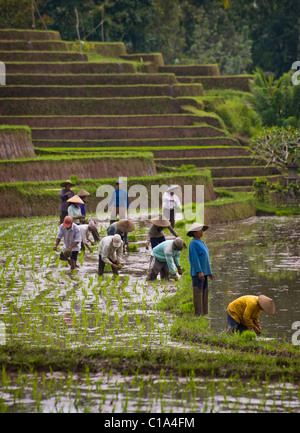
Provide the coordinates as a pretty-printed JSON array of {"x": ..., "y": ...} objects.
[
  {"x": 110, "y": 253},
  {"x": 166, "y": 255},
  {"x": 243, "y": 313},
  {"x": 72, "y": 239}
]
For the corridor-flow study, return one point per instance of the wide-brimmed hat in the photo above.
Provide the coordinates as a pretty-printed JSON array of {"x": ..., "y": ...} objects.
[
  {"x": 125, "y": 226},
  {"x": 66, "y": 182},
  {"x": 83, "y": 193},
  {"x": 173, "y": 188},
  {"x": 68, "y": 220},
  {"x": 75, "y": 199},
  {"x": 196, "y": 227},
  {"x": 117, "y": 240},
  {"x": 161, "y": 221},
  {"x": 267, "y": 304},
  {"x": 179, "y": 243}
]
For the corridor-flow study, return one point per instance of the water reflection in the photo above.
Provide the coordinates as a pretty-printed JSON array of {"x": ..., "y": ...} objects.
[{"x": 258, "y": 255}]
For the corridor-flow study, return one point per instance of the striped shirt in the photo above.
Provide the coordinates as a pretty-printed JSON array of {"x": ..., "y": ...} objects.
[
  {"x": 165, "y": 252},
  {"x": 70, "y": 236}
]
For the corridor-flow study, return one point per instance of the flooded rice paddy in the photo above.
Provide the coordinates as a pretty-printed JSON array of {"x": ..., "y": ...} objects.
[
  {"x": 257, "y": 256},
  {"x": 43, "y": 304}
]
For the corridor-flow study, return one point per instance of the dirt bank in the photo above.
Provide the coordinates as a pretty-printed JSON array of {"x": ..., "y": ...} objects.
[
  {"x": 52, "y": 168},
  {"x": 15, "y": 142}
]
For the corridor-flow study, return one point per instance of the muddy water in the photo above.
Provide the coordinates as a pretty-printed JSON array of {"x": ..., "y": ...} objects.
[
  {"x": 257, "y": 256},
  {"x": 43, "y": 303},
  {"x": 113, "y": 394}
]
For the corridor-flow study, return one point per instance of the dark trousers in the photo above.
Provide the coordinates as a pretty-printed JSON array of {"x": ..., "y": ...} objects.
[
  {"x": 157, "y": 241},
  {"x": 233, "y": 325},
  {"x": 63, "y": 214},
  {"x": 170, "y": 215},
  {"x": 102, "y": 265},
  {"x": 200, "y": 296},
  {"x": 159, "y": 268}
]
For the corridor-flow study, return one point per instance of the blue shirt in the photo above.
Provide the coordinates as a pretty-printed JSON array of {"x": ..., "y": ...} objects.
[
  {"x": 165, "y": 252},
  {"x": 82, "y": 208},
  {"x": 199, "y": 258},
  {"x": 119, "y": 198}
]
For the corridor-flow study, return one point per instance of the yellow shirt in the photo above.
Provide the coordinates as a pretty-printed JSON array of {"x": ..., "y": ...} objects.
[{"x": 245, "y": 310}]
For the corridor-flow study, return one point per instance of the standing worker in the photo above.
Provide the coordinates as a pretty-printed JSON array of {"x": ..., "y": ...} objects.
[
  {"x": 169, "y": 203},
  {"x": 70, "y": 232},
  {"x": 110, "y": 253},
  {"x": 166, "y": 256},
  {"x": 119, "y": 202},
  {"x": 64, "y": 195},
  {"x": 200, "y": 268},
  {"x": 243, "y": 313},
  {"x": 83, "y": 194},
  {"x": 74, "y": 210},
  {"x": 155, "y": 234}
]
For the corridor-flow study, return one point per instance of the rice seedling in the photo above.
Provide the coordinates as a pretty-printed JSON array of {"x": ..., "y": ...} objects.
[{"x": 37, "y": 291}]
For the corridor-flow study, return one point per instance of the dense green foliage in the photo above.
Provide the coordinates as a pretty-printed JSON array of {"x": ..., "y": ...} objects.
[
  {"x": 236, "y": 35},
  {"x": 276, "y": 146},
  {"x": 276, "y": 102}
]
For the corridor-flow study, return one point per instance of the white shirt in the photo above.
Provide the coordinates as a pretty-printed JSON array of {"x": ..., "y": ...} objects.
[
  {"x": 85, "y": 233},
  {"x": 170, "y": 201},
  {"x": 108, "y": 252}
]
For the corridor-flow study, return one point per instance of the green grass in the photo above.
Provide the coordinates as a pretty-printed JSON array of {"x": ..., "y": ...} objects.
[
  {"x": 66, "y": 157},
  {"x": 68, "y": 150},
  {"x": 236, "y": 112},
  {"x": 270, "y": 209}
]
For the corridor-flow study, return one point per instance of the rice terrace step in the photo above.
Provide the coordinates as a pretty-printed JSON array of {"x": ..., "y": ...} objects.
[
  {"x": 170, "y": 143},
  {"x": 97, "y": 91},
  {"x": 112, "y": 79},
  {"x": 111, "y": 121},
  {"x": 93, "y": 133},
  {"x": 71, "y": 67}
]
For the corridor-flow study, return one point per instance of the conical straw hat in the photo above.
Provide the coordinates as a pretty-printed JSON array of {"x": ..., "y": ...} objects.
[
  {"x": 125, "y": 226},
  {"x": 161, "y": 221},
  {"x": 267, "y": 304},
  {"x": 75, "y": 199},
  {"x": 83, "y": 193}
]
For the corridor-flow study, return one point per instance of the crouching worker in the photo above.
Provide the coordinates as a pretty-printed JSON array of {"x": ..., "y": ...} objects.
[
  {"x": 166, "y": 255},
  {"x": 71, "y": 234},
  {"x": 87, "y": 235},
  {"x": 121, "y": 228},
  {"x": 110, "y": 253},
  {"x": 243, "y": 313}
]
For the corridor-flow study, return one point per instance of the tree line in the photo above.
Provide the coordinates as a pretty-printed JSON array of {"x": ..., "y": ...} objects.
[{"x": 238, "y": 35}]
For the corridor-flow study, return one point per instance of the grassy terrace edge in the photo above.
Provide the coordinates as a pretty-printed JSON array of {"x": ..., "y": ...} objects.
[{"x": 243, "y": 361}]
